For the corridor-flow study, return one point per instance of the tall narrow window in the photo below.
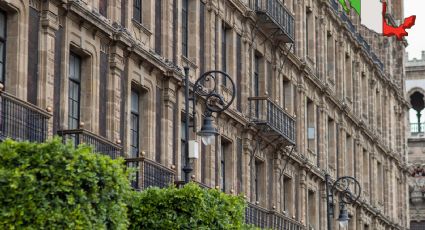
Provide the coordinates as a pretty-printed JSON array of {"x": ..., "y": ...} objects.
[
  {"x": 224, "y": 50},
  {"x": 349, "y": 155},
  {"x": 256, "y": 83},
  {"x": 158, "y": 26},
  {"x": 134, "y": 124},
  {"x": 257, "y": 180},
  {"x": 330, "y": 57},
  {"x": 183, "y": 148},
  {"x": 74, "y": 91},
  {"x": 225, "y": 150},
  {"x": 312, "y": 209},
  {"x": 2, "y": 45},
  {"x": 309, "y": 35},
  {"x": 185, "y": 28},
  {"x": 331, "y": 144},
  {"x": 366, "y": 177},
  {"x": 311, "y": 125},
  {"x": 103, "y": 7},
  {"x": 137, "y": 11},
  {"x": 287, "y": 195},
  {"x": 348, "y": 78}
]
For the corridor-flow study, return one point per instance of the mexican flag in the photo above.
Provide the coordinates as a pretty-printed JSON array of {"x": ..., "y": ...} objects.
[{"x": 372, "y": 14}]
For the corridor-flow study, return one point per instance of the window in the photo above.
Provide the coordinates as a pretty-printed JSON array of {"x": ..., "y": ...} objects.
[
  {"x": 312, "y": 209},
  {"x": 287, "y": 196},
  {"x": 134, "y": 124},
  {"x": 257, "y": 179},
  {"x": 103, "y": 7},
  {"x": 366, "y": 177},
  {"x": 287, "y": 95},
  {"x": 330, "y": 57},
  {"x": 331, "y": 144},
  {"x": 158, "y": 26},
  {"x": 185, "y": 27},
  {"x": 309, "y": 40},
  {"x": 74, "y": 91},
  {"x": 224, "y": 48},
  {"x": 350, "y": 155},
  {"x": 225, "y": 151},
  {"x": 256, "y": 83},
  {"x": 2, "y": 45},
  {"x": 137, "y": 11},
  {"x": 348, "y": 78},
  {"x": 311, "y": 125},
  {"x": 183, "y": 148},
  {"x": 380, "y": 181}
]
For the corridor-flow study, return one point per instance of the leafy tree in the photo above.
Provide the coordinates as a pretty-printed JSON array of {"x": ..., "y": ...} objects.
[{"x": 55, "y": 186}]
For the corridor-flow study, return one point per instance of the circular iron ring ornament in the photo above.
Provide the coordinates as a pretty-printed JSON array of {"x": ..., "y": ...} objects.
[
  {"x": 208, "y": 86},
  {"x": 351, "y": 189}
]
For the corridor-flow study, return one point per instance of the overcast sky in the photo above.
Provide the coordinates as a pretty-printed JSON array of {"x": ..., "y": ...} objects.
[{"x": 416, "y": 36}]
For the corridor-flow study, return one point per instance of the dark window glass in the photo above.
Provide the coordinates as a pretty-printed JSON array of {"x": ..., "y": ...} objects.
[
  {"x": 134, "y": 124},
  {"x": 224, "y": 50},
  {"x": 223, "y": 166},
  {"x": 256, "y": 83},
  {"x": 2, "y": 45},
  {"x": 74, "y": 91},
  {"x": 137, "y": 10},
  {"x": 103, "y": 7},
  {"x": 185, "y": 29}
]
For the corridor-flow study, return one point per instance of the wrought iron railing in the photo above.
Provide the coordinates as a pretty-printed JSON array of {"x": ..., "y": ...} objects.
[
  {"x": 264, "y": 218},
  {"x": 99, "y": 144},
  {"x": 149, "y": 173},
  {"x": 417, "y": 127},
  {"x": 334, "y": 4},
  {"x": 264, "y": 111},
  {"x": 21, "y": 120},
  {"x": 277, "y": 12}
]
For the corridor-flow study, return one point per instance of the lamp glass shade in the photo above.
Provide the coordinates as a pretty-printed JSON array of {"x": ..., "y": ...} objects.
[
  {"x": 208, "y": 140},
  {"x": 343, "y": 223},
  {"x": 208, "y": 131},
  {"x": 343, "y": 218}
]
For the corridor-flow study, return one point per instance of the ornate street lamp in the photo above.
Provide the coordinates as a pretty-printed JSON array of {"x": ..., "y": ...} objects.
[
  {"x": 217, "y": 97},
  {"x": 349, "y": 192}
]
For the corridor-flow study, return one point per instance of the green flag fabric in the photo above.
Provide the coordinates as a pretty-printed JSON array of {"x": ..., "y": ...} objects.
[{"x": 355, "y": 4}]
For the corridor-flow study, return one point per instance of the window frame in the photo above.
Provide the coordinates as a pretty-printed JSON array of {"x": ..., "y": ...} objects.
[
  {"x": 77, "y": 83},
  {"x": 135, "y": 116},
  {"x": 185, "y": 28},
  {"x": 137, "y": 8}
]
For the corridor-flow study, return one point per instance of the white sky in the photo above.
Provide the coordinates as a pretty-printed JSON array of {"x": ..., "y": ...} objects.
[{"x": 416, "y": 36}]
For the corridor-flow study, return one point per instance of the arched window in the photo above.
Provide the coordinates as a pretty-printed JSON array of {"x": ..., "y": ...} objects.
[{"x": 416, "y": 112}]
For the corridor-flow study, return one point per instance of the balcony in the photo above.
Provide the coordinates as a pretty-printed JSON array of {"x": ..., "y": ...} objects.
[
  {"x": 99, "y": 144},
  {"x": 272, "y": 119},
  {"x": 275, "y": 19},
  {"x": 150, "y": 173},
  {"x": 21, "y": 121},
  {"x": 416, "y": 128},
  {"x": 264, "y": 218}
]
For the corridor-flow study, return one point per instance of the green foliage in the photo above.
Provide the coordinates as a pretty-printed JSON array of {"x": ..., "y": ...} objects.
[
  {"x": 56, "y": 186},
  {"x": 190, "y": 207}
]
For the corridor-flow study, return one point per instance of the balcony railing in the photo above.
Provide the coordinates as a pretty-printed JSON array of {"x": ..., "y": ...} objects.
[
  {"x": 149, "y": 173},
  {"x": 263, "y": 111},
  {"x": 99, "y": 144},
  {"x": 264, "y": 218},
  {"x": 417, "y": 127},
  {"x": 273, "y": 15},
  {"x": 21, "y": 120}
]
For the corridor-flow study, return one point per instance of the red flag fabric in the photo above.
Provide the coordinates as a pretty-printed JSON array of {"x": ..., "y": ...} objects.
[{"x": 399, "y": 31}]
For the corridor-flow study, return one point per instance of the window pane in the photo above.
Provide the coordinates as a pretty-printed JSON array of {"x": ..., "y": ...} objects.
[
  {"x": 134, "y": 102},
  {"x": 2, "y": 25}
]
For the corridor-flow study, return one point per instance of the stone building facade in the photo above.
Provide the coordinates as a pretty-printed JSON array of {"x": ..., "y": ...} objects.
[
  {"x": 415, "y": 88},
  {"x": 109, "y": 72}
]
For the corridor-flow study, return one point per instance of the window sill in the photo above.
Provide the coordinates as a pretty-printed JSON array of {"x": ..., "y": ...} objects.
[
  {"x": 141, "y": 27},
  {"x": 188, "y": 62}
]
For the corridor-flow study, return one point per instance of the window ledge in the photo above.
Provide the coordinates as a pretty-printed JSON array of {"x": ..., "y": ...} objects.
[
  {"x": 141, "y": 27},
  {"x": 187, "y": 61}
]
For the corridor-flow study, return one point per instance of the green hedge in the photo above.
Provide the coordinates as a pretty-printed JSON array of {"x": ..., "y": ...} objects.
[
  {"x": 56, "y": 186},
  {"x": 190, "y": 207}
]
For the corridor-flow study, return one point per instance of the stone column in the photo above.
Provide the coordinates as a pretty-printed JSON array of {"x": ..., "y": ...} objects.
[
  {"x": 169, "y": 95},
  {"x": 49, "y": 25},
  {"x": 113, "y": 98}
]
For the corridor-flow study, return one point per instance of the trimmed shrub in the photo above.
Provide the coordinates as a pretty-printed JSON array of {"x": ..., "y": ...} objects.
[
  {"x": 55, "y": 186},
  {"x": 190, "y": 207}
]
